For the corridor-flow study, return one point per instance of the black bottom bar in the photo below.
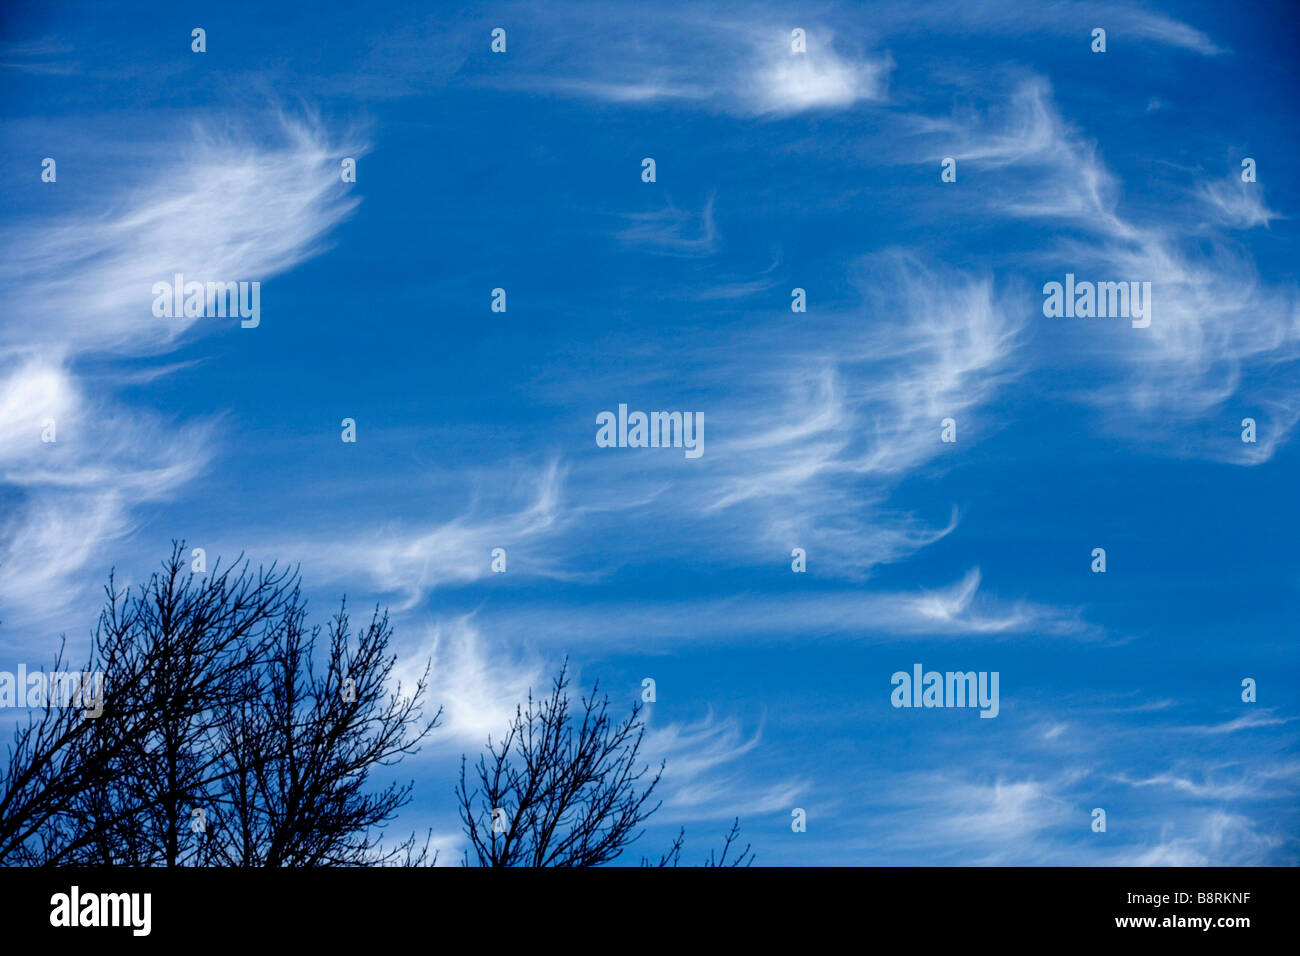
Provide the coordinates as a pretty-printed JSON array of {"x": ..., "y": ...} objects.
[{"x": 340, "y": 907}]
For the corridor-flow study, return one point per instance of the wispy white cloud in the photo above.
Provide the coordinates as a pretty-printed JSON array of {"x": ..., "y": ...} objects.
[
  {"x": 1035, "y": 809},
  {"x": 1237, "y": 204},
  {"x": 1260, "y": 718},
  {"x": 804, "y": 453},
  {"x": 1209, "y": 838},
  {"x": 809, "y": 459},
  {"x": 1217, "y": 329},
  {"x": 673, "y": 231},
  {"x": 1156, "y": 26},
  {"x": 68, "y": 498},
  {"x": 225, "y": 206},
  {"x": 477, "y": 682},
  {"x": 702, "y": 779},
  {"x": 646, "y": 91},
  {"x": 954, "y": 611},
  {"x": 42, "y": 56},
  {"x": 1064, "y": 21},
  {"x": 1005, "y": 820},
  {"x": 1033, "y": 821},
  {"x": 1226, "y": 783},
  {"x": 742, "y": 63},
  {"x": 412, "y": 558},
  {"x": 240, "y": 205},
  {"x": 728, "y": 288}
]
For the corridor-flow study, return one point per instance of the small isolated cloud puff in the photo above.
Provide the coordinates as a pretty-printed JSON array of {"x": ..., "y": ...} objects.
[{"x": 785, "y": 82}]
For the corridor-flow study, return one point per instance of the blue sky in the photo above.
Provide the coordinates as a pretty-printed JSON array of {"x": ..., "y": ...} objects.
[{"x": 775, "y": 170}]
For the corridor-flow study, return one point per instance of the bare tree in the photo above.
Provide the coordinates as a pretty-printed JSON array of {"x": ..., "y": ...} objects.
[
  {"x": 558, "y": 790},
  {"x": 52, "y": 760},
  {"x": 223, "y": 739},
  {"x": 298, "y": 748},
  {"x": 673, "y": 857},
  {"x": 190, "y": 640},
  {"x": 566, "y": 790}
]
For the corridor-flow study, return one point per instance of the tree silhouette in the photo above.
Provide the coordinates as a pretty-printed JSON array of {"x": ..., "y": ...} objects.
[
  {"x": 230, "y": 732},
  {"x": 51, "y": 761},
  {"x": 298, "y": 748},
  {"x": 555, "y": 791},
  {"x": 565, "y": 789},
  {"x": 673, "y": 857},
  {"x": 196, "y": 637},
  {"x": 223, "y": 739}
]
